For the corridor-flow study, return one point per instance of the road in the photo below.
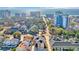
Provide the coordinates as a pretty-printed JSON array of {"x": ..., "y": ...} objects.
[
  {"x": 33, "y": 47},
  {"x": 47, "y": 35}
]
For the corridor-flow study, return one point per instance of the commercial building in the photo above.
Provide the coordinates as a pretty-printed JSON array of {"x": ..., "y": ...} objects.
[
  {"x": 50, "y": 16},
  {"x": 65, "y": 46},
  {"x": 5, "y": 14},
  {"x": 35, "y": 14},
  {"x": 61, "y": 20}
]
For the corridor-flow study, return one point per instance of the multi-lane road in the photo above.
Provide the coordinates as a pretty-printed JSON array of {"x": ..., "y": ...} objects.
[{"x": 47, "y": 35}]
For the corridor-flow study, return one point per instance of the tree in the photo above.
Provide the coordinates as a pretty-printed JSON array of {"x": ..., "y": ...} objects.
[
  {"x": 78, "y": 35},
  {"x": 33, "y": 30},
  {"x": 66, "y": 34},
  {"x": 17, "y": 34},
  {"x": 13, "y": 49},
  {"x": 73, "y": 24},
  {"x": 50, "y": 27},
  {"x": 71, "y": 33},
  {"x": 40, "y": 24},
  {"x": 1, "y": 28},
  {"x": 59, "y": 31}
]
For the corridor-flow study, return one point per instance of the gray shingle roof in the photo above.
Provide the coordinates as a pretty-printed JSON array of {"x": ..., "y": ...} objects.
[{"x": 65, "y": 44}]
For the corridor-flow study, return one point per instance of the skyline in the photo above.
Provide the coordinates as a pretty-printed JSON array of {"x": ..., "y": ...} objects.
[
  {"x": 44, "y": 10},
  {"x": 39, "y": 32}
]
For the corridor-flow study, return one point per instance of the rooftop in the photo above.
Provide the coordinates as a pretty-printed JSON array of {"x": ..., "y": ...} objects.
[{"x": 65, "y": 44}]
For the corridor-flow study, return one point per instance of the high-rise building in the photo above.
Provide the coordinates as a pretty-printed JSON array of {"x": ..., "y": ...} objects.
[
  {"x": 20, "y": 14},
  {"x": 23, "y": 15},
  {"x": 17, "y": 14},
  {"x": 5, "y": 13},
  {"x": 50, "y": 15},
  {"x": 61, "y": 20},
  {"x": 35, "y": 14}
]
